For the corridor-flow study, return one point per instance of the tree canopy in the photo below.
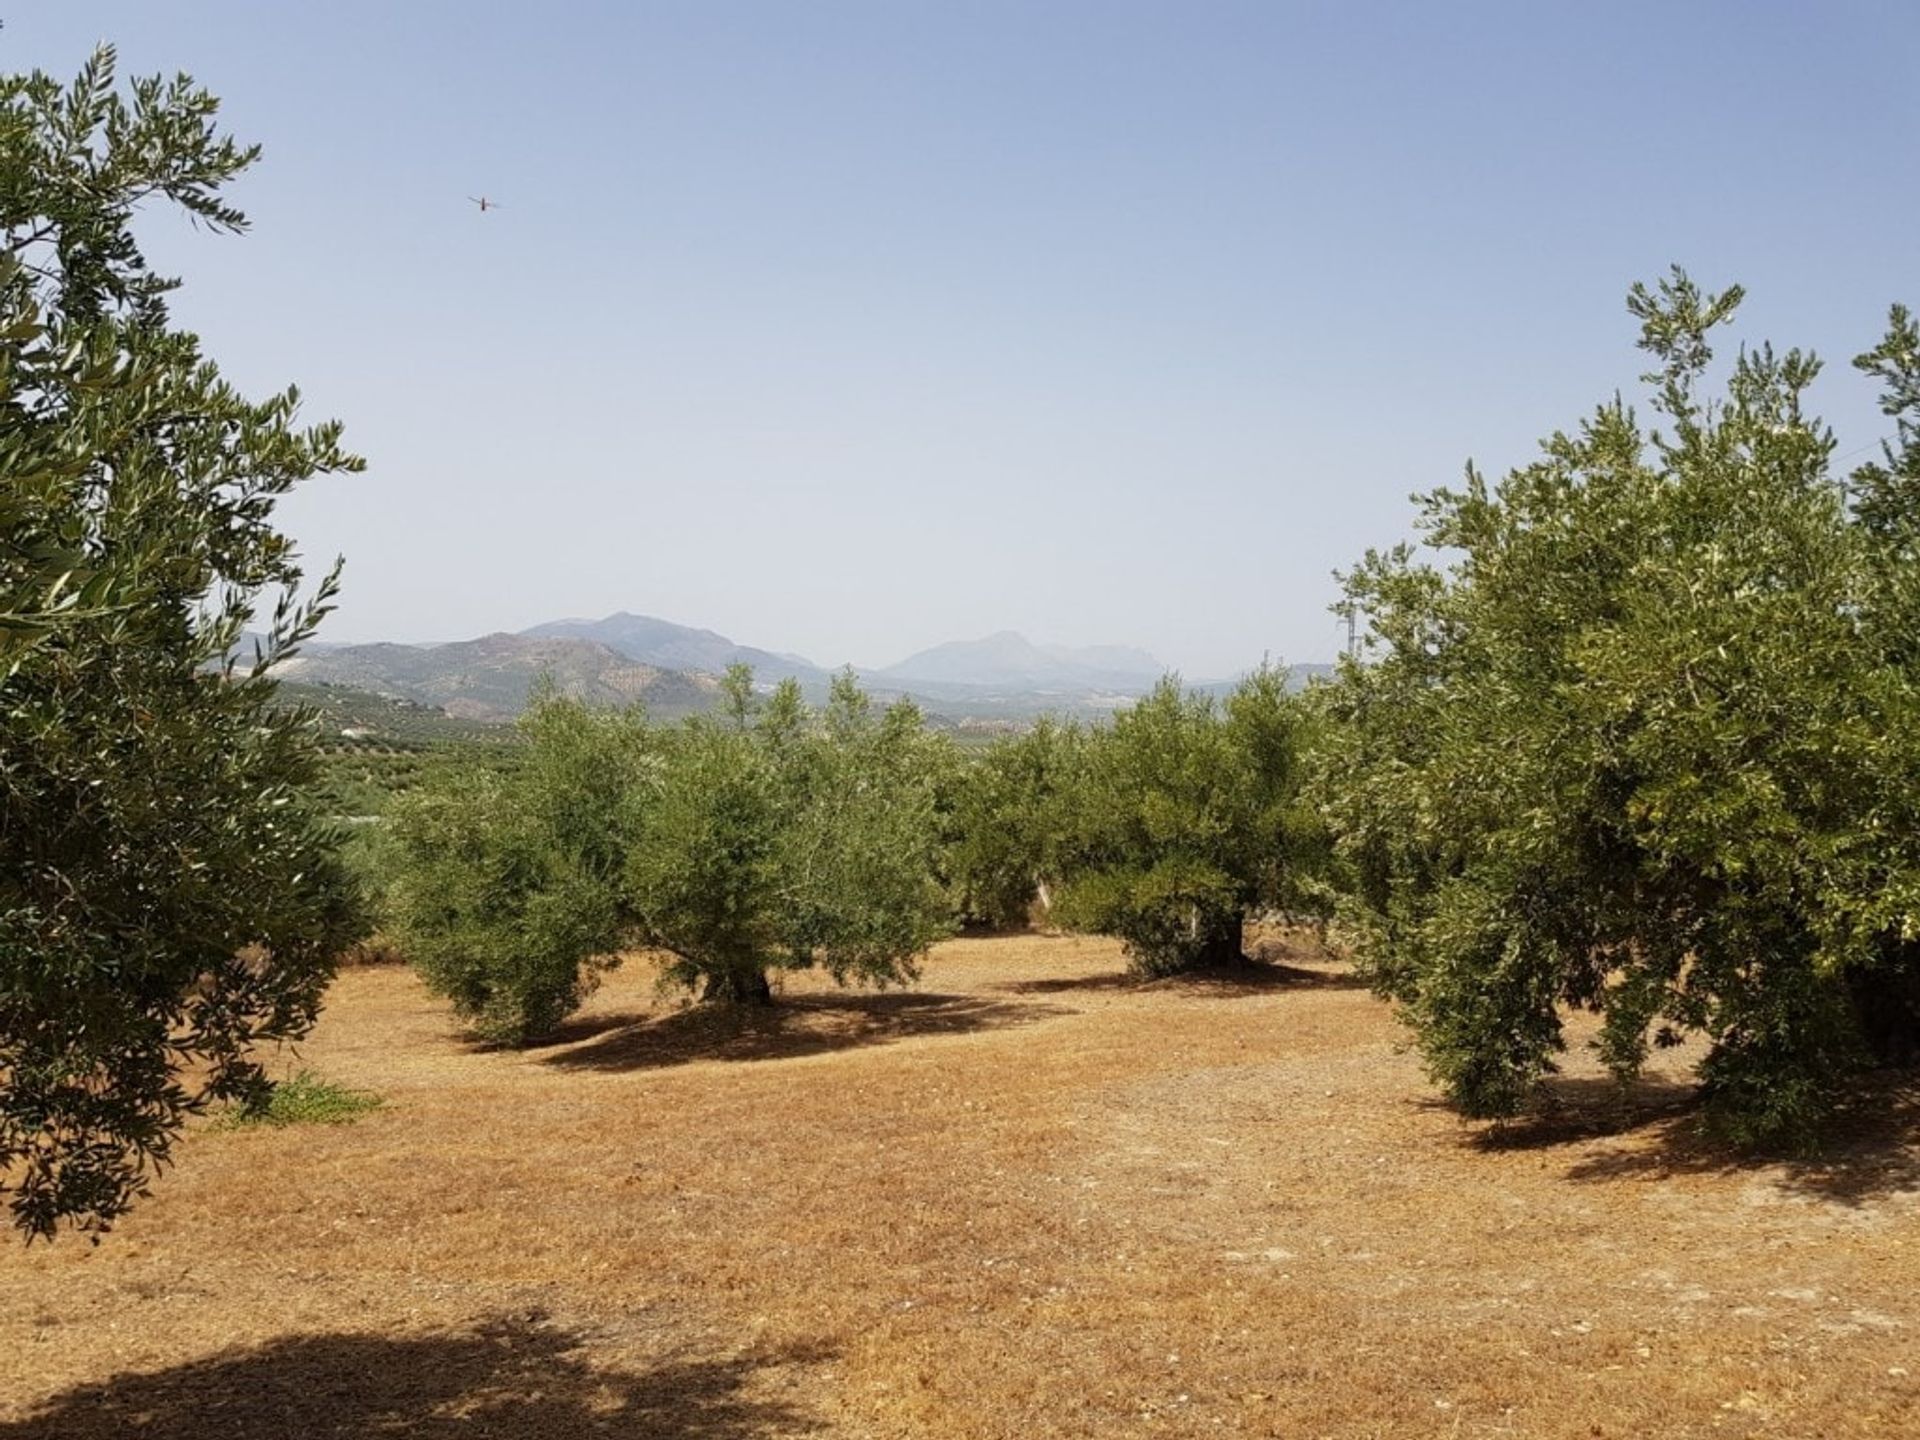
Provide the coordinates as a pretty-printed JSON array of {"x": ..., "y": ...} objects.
[
  {"x": 1008, "y": 821},
  {"x": 1642, "y": 737},
  {"x": 770, "y": 837},
  {"x": 506, "y": 872},
  {"x": 1186, "y": 817},
  {"x": 780, "y": 839}
]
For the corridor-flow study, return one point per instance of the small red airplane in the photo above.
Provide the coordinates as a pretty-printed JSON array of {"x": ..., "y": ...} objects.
[{"x": 484, "y": 203}]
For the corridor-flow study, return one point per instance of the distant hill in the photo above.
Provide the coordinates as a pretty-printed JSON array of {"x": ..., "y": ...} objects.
[
  {"x": 1023, "y": 699},
  {"x": 489, "y": 679},
  {"x": 669, "y": 646},
  {"x": 674, "y": 670},
  {"x": 1009, "y": 661}
]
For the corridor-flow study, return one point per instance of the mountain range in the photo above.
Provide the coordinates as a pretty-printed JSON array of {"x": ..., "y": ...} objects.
[
  {"x": 490, "y": 678},
  {"x": 677, "y": 647},
  {"x": 674, "y": 669},
  {"x": 1009, "y": 660}
]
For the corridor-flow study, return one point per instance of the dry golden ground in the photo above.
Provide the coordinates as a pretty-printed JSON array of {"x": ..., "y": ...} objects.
[{"x": 1025, "y": 1199}]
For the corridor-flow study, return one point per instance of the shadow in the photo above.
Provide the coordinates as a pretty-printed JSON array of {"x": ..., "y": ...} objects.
[
  {"x": 1873, "y": 1147},
  {"x": 1255, "y": 977},
  {"x": 1002, "y": 930},
  {"x": 1869, "y": 1150},
  {"x": 1574, "y": 1109},
  {"x": 511, "y": 1377},
  {"x": 576, "y": 1028},
  {"x": 1063, "y": 984},
  {"x": 793, "y": 1027}
]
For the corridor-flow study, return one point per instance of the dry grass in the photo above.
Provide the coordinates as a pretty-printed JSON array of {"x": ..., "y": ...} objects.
[{"x": 1025, "y": 1199}]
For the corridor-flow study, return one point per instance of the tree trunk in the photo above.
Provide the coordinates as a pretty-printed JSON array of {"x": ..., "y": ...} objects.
[
  {"x": 1224, "y": 945},
  {"x": 1886, "y": 1006},
  {"x": 742, "y": 985}
]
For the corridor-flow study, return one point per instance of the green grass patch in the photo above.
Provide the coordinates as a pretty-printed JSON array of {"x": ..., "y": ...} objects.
[{"x": 304, "y": 1099}]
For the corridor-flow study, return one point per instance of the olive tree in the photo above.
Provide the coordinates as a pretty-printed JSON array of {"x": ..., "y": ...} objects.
[
  {"x": 1642, "y": 736},
  {"x": 1008, "y": 822},
  {"x": 505, "y": 890},
  {"x": 169, "y": 895},
  {"x": 776, "y": 838},
  {"x": 1185, "y": 818}
]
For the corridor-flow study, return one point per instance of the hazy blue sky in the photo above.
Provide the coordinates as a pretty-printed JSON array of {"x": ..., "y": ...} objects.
[{"x": 847, "y": 328}]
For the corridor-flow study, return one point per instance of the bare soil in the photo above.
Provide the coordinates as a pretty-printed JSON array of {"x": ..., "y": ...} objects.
[{"x": 1026, "y": 1198}]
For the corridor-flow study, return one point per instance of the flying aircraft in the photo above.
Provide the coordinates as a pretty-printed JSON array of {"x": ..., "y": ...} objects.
[{"x": 484, "y": 203}]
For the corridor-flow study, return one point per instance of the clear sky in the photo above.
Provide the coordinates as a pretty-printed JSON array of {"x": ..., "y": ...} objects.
[{"x": 849, "y": 328}]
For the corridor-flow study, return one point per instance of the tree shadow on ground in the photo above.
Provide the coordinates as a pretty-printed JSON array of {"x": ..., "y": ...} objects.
[
  {"x": 1255, "y": 977},
  {"x": 576, "y": 1028},
  {"x": 508, "y": 1378},
  {"x": 1571, "y": 1110},
  {"x": 792, "y": 1027},
  {"x": 1870, "y": 1150}
]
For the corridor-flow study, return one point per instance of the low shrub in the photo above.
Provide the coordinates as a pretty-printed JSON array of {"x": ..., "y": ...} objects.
[{"x": 302, "y": 1099}]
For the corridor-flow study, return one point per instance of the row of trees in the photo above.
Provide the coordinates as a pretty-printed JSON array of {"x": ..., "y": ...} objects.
[
  {"x": 1638, "y": 731},
  {"x": 772, "y": 837},
  {"x": 1167, "y": 827},
  {"x": 172, "y": 896}
]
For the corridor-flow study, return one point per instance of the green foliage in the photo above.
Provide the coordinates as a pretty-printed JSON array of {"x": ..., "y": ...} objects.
[
  {"x": 503, "y": 878},
  {"x": 74, "y": 289},
  {"x": 770, "y": 838},
  {"x": 302, "y": 1099},
  {"x": 1186, "y": 817},
  {"x": 169, "y": 893},
  {"x": 780, "y": 839},
  {"x": 1008, "y": 821},
  {"x": 360, "y": 784},
  {"x": 1648, "y": 744}
]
